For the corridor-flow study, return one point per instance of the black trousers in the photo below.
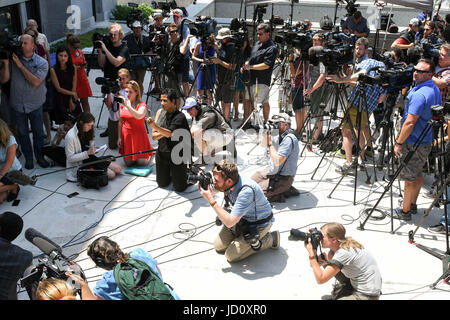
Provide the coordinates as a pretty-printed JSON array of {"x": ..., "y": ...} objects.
[{"x": 167, "y": 172}]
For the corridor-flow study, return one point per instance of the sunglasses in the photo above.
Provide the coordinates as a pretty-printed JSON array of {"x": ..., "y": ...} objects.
[
  {"x": 421, "y": 71},
  {"x": 218, "y": 168},
  {"x": 173, "y": 31}
]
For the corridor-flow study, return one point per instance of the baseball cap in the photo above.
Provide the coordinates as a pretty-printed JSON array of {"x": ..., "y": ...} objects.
[
  {"x": 190, "y": 102},
  {"x": 177, "y": 12},
  {"x": 282, "y": 117},
  {"x": 157, "y": 14},
  {"x": 223, "y": 33},
  {"x": 414, "y": 22},
  {"x": 136, "y": 24}
]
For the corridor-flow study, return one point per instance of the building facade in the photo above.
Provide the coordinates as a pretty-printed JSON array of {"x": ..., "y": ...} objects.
[{"x": 55, "y": 17}]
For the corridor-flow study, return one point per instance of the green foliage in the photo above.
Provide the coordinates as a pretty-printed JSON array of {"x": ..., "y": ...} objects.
[{"x": 120, "y": 12}]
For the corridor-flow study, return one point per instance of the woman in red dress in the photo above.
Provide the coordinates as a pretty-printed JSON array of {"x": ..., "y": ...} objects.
[
  {"x": 79, "y": 62},
  {"x": 133, "y": 136}
]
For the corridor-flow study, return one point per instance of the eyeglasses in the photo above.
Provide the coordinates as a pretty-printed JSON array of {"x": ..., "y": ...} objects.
[{"x": 421, "y": 71}]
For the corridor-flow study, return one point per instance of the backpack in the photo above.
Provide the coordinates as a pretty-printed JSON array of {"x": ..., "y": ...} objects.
[{"x": 137, "y": 281}]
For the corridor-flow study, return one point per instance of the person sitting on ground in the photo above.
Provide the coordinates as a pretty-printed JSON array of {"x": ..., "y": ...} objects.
[
  {"x": 55, "y": 152},
  {"x": 80, "y": 148},
  {"x": 107, "y": 254},
  {"x": 353, "y": 266},
  {"x": 8, "y": 162}
]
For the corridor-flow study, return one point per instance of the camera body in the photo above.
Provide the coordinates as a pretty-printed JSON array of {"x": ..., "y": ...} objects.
[
  {"x": 295, "y": 38},
  {"x": 203, "y": 178},
  {"x": 136, "y": 15},
  {"x": 105, "y": 38},
  {"x": 205, "y": 26},
  {"x": 9, "y": 44},
  {"x": 314, "y": 236},
  {"x": 108, "y": 85},
  {"x": 165, "y": 7}
]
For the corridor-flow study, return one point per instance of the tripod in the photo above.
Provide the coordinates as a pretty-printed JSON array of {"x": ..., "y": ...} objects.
[
  {"x": 442, "y": 188},
  {"x": 362, "y": 107},
  {"x": 416, "y": 145}
]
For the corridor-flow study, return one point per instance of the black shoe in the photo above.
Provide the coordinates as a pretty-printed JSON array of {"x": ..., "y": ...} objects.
[
  {"x": 13, "y": 196},
  {"x": 292, "y": 192},
  {"x": 104, "y": 133},
  {"x": 401, "y": 215},
  {"x": 29, "y": 164},
  {"x": 413, "y": 208},
  {"x": 43, "y": 163}
]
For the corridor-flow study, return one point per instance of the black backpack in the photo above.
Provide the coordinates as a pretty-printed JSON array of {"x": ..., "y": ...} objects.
[{"x": 137, "y": 281}]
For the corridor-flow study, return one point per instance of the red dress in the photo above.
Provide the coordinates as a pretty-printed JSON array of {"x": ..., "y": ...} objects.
[
  {"x": 83, "y": 87},
  {"x": 134, "y": 135}
]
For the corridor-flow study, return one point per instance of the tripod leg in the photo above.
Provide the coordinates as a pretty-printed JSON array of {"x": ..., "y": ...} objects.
[{"x": 101, "y": 110}]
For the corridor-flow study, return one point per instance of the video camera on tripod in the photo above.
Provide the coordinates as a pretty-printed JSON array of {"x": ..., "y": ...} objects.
[
  {"x": 165, "y": 7},
  {"x": 239, "y": 32},
  {"x": 393, "y": 79},
  {"x": 9, "y": 44},
  {"x": 108, "y": 85},
  {"x": 137, "y": 15},
  {"x": 295, "y": 37},
  {"x": 53, "y": 265},
  {"x": 351, "y": 7},
  {"x": 205, "y": 26}
]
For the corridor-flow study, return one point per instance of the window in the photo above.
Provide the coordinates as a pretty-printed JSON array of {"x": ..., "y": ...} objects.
[{"x": 9, "y": 19}]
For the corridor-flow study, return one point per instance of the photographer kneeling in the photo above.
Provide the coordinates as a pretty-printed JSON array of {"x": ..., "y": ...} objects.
[
  {"x": 209, "y": 129},
  {"x": 352, "y": 265},
  {"x": 276, "y": 181},
  {"x": 246, "y": 228}
]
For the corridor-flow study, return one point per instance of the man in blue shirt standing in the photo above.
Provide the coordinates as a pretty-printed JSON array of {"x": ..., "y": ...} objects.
[
  {"x": 415, "y": 118},
  {"x": 246, "y": 227}
]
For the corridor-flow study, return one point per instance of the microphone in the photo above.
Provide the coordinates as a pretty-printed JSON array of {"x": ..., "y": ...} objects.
[
  {"x": 21, "y": 178},
  {"x": 46, "y": 245}
]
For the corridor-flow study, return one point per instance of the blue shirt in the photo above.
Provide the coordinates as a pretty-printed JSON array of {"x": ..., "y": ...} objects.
[
  {"x": 107, "y": 288},
  {"x": 359, "y": 27},
  {"x": 247, "y": 196},
  {"x": 16, "y": 164},
  {"x": 419, "y": 100},
  {"x": 288, "y": 148},
  {"x": 372, "y": 92}
]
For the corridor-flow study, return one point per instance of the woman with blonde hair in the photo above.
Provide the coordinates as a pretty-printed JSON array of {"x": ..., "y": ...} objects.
[
  {"x": 133, "y": 135},
  {"x": 8, "y": 162},
  {"x": 54, "y": 289},
  {"x": 353, "y": 266}
]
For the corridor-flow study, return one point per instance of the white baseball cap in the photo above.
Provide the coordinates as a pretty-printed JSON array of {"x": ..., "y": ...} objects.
[{"x": 177, "y": 12}]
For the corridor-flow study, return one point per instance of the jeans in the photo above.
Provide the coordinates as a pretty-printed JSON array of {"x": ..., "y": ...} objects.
[{"x": 37, "y": 127}]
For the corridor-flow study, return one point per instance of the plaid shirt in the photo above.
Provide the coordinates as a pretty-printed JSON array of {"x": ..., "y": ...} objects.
[
  {"x": 372, "y": 92},
  {"x": 444, "y": 74}
]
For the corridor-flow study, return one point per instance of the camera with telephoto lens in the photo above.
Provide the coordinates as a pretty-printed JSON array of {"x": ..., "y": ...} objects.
[
  {"x": 105, "y": 38},
  {"x": 108, "y": 85},
  {"x": 9, "y": 44},
  {"x": 314, "y": 236},
  {"x": 250, "y": 234}
]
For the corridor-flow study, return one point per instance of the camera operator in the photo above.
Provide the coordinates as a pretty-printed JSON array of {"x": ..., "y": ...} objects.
[
  {"x": 27, "y": 96},
  {"x": 113, "y": 55},
  {"x": 157, "y": 25},
  {"x": 260, "y": 64},
  {"x": 245, "y": 229},
  {"x": 184, "y": 34},
  {"x": 407, "y": 37},
  {"x": 374, "y": 95},
  {"x": 353, "y": 266},
  {"x": 13, "y": 259},
  {"x": 276, "y": 180},
  {"x": 224, "y": 60},
  {"x": 167, "y": 120},
  {"x": 298, "y": 68},
  {"x": 138, "y": 44},
  {"x": 176, "y": 60},
  {"x": 317, "y": 92},
  {"x": 357, "y": 25},
  {"x": 430, "y": 37},
  {"x": 442, "y": 74},
  {"x": 209, "y": 129},
  {"x": 415, "y": 118}
]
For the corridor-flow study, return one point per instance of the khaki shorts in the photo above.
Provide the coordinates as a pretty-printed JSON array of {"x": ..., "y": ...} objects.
[
  {"x": 262, "y": 94},
  {"x": 352, "y": 116},
  {"x": 413, "y": 169}
]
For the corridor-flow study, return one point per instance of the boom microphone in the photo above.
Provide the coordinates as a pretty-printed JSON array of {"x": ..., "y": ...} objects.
[
  {"x": 21, "y": 178},
  {"x": 46, "y": 245}
]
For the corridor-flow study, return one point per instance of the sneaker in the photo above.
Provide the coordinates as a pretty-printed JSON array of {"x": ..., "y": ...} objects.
[
  {"x": 430, "y": 194},
  {"x": 413, "y": 209},
  {"x": 43, "y": 163},
  {"x": 399, "y": 214},
  {"x": 29, "y": 164},
  {"x": 104, "y": 133},
  {"x": 340, "y": 154},
  {"x": 346, "y": 168},
  {"x": 276, "y": 239},
  {"x": 439, "y": 228}
]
